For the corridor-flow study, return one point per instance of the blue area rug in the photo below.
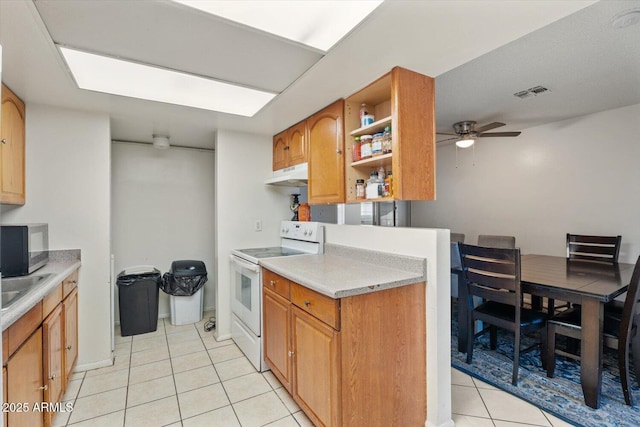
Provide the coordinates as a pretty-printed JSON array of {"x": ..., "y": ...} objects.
[{"x": 561, "y": 395}]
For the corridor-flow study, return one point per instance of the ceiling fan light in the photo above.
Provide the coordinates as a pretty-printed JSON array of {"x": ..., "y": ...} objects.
[{"x": 465, "y": 142}]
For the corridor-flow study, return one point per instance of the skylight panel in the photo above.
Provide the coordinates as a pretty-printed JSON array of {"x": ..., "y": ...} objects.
[
  {"x": 319, "y": 24},
  {"x": 119, "y": 77}
]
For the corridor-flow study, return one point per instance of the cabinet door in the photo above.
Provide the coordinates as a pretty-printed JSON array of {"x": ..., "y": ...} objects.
[
  {"x": 70, "y": 307},
  {"x": 52, "y": 353},
  {"x": 326, "y": 155},
  {"x": 277, "y": 336},
  {"x": 12, "y": 135},
  {"x": 280, "y": 151},
  {"x": 316, "y": 368},
  {"x": 297, "y": 143},
  {"x": 24, "y": 381}
]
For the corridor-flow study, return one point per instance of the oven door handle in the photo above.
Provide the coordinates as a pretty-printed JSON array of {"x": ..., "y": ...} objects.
[{"x": 251, "y": 267}]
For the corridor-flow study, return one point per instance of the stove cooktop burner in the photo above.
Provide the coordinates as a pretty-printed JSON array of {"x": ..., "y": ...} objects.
[{"x": 275, "y": 251}]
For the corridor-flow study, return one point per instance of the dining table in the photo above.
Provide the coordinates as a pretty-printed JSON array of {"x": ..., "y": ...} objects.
[{"x": 589, "y": 284}]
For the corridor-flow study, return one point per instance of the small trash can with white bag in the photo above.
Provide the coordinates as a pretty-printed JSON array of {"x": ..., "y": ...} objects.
[{"x": 184, "y": 282}]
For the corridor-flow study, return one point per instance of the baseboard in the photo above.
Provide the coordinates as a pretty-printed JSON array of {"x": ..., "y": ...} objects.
[{"x": 94, "y": 365}]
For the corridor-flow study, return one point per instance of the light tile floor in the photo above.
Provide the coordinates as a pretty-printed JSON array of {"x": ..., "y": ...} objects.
[{"x": 181, "y": 376}]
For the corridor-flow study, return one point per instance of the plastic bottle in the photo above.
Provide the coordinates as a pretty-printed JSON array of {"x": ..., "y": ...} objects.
[
  {"x": 364, "y": 111},
  {"x": 388, "y": 184}
]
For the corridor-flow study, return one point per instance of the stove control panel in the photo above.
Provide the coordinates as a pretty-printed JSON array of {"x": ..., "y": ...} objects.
[{"x": 302, "y": 230}]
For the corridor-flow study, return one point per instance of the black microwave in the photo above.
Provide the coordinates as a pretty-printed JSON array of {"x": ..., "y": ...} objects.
[{"x": 24, "y": 248}]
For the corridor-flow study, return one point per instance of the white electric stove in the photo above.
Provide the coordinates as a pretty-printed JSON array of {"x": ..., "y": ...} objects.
[{"x": 297, "y": 238}]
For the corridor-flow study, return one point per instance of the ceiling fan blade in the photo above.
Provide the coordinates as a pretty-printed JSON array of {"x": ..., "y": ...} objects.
[
  {"x": 445, "y": 133},
  {"x": 448, "y": 139},
  {"x": 489, "y": 127},
  {"x": 492, "y": 134}
]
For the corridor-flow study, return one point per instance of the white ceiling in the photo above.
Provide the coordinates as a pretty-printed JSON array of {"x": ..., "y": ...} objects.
[{"x": 481, "y": 53}]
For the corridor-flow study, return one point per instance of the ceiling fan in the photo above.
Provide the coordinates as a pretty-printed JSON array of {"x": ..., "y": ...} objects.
[{"x": 466, "y": 132}]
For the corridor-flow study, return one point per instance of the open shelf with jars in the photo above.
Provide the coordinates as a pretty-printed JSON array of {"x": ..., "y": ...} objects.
[{"x": 405, "y": 101}]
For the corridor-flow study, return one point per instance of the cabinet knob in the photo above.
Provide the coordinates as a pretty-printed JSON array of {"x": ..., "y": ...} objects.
[
  {"x": 52, "y": 377},
  {"x": 272, "y": 282},
  {"x": 69, "y": 347},
  {"x": 291, "y": 354},
  {"x": 44, "y": 387},
  {"x": 338, "y": 151},
  {"x": 307, "y": 303},
  {"x": 4, "y": 140}
]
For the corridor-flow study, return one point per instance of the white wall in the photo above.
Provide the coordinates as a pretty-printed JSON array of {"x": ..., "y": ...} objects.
[
  {"x": 67, "y": 184},
  {"x": 243, "y": 162},
  {"x": 578, "y": 176},
  {"x": 163, "y": 210}
]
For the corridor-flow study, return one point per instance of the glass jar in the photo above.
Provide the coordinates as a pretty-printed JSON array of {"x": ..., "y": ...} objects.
[
  {"x": 365, "y": 146},
  {"x": 376, "y": 144},
  {"x": 359, "y": 188},
  {"x": 355, "y": 149},
  {"x": 386, "y": 140}
]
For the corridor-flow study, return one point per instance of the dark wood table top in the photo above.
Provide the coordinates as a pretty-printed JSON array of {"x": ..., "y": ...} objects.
[{"x": 574, "y": 278}]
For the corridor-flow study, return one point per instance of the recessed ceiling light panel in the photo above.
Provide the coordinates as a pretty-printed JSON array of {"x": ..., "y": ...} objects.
[
  {"x": 319, "y": 24},
  {"x": 118, "y": 77}
]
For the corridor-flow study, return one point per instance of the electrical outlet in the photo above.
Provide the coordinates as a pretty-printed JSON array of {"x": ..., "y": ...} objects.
[{"x": 258, "y": 225}]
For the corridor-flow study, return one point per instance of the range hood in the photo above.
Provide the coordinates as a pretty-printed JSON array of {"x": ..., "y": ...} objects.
[{"x": 293, "y": 176}]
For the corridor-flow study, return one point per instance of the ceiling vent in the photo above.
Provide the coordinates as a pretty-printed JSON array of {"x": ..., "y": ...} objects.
[{"x": 532, "y": 91}]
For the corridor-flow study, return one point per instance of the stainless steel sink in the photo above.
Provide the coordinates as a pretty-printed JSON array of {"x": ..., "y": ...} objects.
[{"x": 14, "y": 288}]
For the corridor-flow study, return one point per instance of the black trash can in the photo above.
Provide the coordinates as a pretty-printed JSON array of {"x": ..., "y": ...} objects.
[
  {"x": 184, "y": 282},
  {"x": 138, "y": 301}
]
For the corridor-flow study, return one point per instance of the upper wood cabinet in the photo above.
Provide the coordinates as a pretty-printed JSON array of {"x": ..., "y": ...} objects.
[
  {"x": 12, "y": 149},
  {"x": 404, "y": 100},
  {"x": 290, "y": 147},
  {"x": 325, "y": 130}
]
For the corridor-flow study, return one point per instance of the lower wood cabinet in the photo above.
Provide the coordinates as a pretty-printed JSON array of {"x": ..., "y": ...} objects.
[
  {"x": 42, "y": 352},
  {"x": 354, "y": 361},
  {"x": 25, "y": 385},
  {"x": 53, "y": 369},
  {"x": 70, "y": 307},
  {"x": 316, "y": 370}
]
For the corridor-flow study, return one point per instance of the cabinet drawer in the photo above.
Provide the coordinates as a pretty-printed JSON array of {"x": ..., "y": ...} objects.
[
  {"x": 276, "y": 283},
  {"x": 320, "y": 306},
  {"x": 70, "y": 283},
  {"x": 20, "y": 331},
  {"x": 51, "y": 300}
]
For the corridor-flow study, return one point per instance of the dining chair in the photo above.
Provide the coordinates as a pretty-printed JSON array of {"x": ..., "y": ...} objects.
[
  {"x": 493, "y": 274},
  {"x": 599, "y": 249},
  {"x": 495, "y": 241},
  {"x": 593, "y": 248},
  {"x": 619, "y": 333}
]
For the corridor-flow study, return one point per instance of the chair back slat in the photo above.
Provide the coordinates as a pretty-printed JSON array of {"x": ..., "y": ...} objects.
[
  {"x": 492, "y": 273},
  {"x": 593, "y": 248}
]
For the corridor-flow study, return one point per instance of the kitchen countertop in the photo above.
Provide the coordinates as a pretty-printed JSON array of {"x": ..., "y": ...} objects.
[
  {"x": 61, "y": 264},
  {"x": 344, "y": 271}
]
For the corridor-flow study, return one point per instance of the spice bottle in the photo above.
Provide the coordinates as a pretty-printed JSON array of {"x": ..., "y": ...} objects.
[
  {"x": 376, "y": 144},
  {"x": 386, "y": 140},
  {"x": 388, "y": 184},
  {"x": 365, "y": 146},
  {"x": 355, "y": 149},
  {"x": 359, "y": 188}
]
